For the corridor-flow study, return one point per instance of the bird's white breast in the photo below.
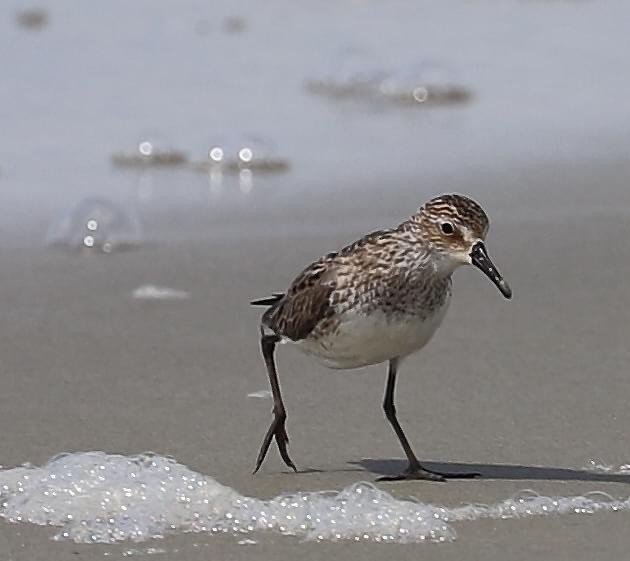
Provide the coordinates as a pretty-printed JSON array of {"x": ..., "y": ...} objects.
[{"x": 363, "y": 338}]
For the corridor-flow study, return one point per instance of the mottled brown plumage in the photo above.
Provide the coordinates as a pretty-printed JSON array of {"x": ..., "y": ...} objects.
[
  {"x": 306, "y": 303},
  {"x": 378, "y": 299},
  {"x": 388, "y": 260}
]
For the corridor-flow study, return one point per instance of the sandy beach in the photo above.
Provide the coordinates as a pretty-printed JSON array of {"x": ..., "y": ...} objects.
[
  {"x": 526, "y": 392},
  {"x": 331, "y": 119}
]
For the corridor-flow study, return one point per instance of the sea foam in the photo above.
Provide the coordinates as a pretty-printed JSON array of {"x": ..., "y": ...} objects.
[{"x": 95, "y": 497}]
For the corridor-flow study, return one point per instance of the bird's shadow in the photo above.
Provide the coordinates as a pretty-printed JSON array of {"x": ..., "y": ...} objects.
[{"x": 392, "y": 467}]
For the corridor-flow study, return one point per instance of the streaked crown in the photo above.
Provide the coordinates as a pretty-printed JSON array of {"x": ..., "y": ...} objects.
[{"x": 461, "y": 210}]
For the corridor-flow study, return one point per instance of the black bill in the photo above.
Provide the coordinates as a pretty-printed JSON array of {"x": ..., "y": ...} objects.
[{"x": 481, "y": 260}]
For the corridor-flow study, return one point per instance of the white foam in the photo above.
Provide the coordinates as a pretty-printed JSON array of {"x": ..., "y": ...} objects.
[
  {"x": 148, "y": 551},
  {"x": 152, "y": 292},
  {"x": 100, "y": 498},
  {"x": 247, "y": 542},
  {"x": 601, "y": 467},
  {"x": 261, "y": 394}
]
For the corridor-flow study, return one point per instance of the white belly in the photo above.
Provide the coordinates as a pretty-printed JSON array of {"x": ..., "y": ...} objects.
[{"x": 362, "y": 339}]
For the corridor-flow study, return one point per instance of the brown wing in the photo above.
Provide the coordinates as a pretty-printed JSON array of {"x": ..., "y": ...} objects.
[
  {"x": 306, "y": 303},
  {"x": 308, "y": 300}
]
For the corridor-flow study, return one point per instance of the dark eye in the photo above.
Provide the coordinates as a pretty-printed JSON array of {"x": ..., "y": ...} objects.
[{"x": 447, "y": 228}]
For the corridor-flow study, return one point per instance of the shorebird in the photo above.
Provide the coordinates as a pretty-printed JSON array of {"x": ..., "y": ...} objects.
[{"x": 377, "y": 300}]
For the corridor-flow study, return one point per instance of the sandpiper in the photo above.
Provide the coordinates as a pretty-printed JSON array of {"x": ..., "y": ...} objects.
[{"x": 377, "y": 300}]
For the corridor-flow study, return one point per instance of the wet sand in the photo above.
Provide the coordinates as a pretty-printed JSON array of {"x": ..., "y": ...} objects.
[{"x": 519, "y": 389}]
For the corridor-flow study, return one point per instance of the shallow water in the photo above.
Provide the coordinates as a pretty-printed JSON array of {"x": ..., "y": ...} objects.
[{"x": 95, "y": 497}]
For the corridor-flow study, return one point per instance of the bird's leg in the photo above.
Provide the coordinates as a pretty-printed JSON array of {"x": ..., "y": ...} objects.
[
  {"x": 268, "y": 345},
  {"x": 414, "y": 469}
]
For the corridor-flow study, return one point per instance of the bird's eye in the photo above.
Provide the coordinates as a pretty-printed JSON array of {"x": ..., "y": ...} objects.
[{"x": 447, "y": 228}]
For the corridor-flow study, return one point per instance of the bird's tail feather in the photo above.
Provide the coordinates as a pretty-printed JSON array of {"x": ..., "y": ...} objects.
[{"x": 269, "y": 300}]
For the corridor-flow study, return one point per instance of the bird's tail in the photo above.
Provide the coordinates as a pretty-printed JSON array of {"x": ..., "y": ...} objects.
[{"x": 269, "y": 300}]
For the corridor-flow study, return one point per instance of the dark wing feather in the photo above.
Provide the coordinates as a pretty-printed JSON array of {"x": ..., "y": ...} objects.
[{"x": 306, "y": 303}]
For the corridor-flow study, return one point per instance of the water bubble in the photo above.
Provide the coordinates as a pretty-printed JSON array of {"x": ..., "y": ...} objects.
[
  {"x": 359, "y": 77},
  {"x": 154, "y": 152},
  {"x": 245, "y": 154},
  {"x": 96, "y": 224},
  {"x": 216, "y": 154},
  {"x": 145, "y": 148},
  {"x": 425, "y": 83},
  {"x": 420, "y": 94},
  {"x": 236, "y": 153}
]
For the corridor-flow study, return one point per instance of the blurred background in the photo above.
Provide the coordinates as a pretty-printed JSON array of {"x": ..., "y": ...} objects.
[{"x": 122, "y": 103}]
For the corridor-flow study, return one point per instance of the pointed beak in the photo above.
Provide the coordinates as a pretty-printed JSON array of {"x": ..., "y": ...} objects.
[{"x": 481, "y": 260}]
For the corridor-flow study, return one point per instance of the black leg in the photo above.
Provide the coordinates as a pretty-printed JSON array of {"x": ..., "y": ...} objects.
[
  {"x": 414, "y": 469},
  {"x": 268, "y": 345}
]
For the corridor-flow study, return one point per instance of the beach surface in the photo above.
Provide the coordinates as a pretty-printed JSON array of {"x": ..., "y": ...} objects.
[
  {"x": 129, "y": 256},
  {"x": 527, "y": 392}
]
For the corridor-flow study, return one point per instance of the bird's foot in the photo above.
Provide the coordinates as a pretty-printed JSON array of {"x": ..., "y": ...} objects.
[
  {"x": 277, "y": 430},
  {"x": 420, "y": 473}
]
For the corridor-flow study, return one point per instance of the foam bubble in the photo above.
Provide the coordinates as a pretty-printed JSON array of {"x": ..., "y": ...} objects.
[{"x": 100, "y": 498}]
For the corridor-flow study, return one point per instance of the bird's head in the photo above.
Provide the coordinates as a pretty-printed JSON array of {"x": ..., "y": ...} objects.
[{"x": 454, "y": 227}]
